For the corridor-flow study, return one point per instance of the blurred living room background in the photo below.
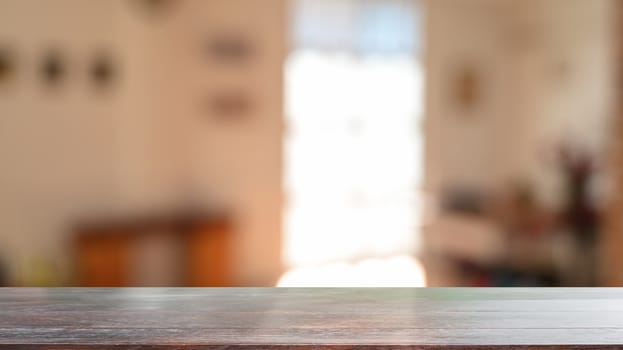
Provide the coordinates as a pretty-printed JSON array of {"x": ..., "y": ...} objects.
[{"x": 311, "y": 143}]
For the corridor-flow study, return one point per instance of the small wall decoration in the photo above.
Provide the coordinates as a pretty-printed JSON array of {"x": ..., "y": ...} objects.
[
  {"x": 53, "y": 68},
  {"x": 229, "y": 105},
  {"x": 102, "y": 71},
  {"x": 7, "y": 65},
  {"x": 466, "y": 87},
  {"x": 229, "y": 48},
  {"x": 153, "y": 7}
]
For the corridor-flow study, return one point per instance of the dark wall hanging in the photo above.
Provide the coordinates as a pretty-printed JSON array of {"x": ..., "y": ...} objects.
[
  {"x": 153, "y": 8},
  {"x": 467, "y": 87},
  {"x": 53, "y": 68},
  {"x": 229, "y": 105},
  {"x": 7, "y": 65},
  {"x": 229, "y": 48},
  {"x": 102, "y": 71}
]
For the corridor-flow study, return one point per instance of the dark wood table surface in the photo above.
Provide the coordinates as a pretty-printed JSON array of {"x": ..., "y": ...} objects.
[{"x": 340, "y": 318}]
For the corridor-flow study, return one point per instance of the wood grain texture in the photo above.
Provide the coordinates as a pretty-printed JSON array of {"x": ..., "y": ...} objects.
[{"x": 316, "y": 318}]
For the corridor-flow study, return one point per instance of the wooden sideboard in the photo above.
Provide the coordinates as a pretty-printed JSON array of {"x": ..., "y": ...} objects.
[
  {"x": 157, "y": 250},
  {"x": 315, "y": 318}
]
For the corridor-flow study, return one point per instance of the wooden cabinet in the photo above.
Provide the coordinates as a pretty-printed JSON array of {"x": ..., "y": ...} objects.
[{"x": 178, "y": 250}]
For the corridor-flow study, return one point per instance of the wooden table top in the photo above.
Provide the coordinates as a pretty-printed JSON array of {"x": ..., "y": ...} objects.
[{"x": 340, "y": 318}]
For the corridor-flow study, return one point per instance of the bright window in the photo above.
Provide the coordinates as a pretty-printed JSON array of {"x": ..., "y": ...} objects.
[{"x": 353, "y": 157}]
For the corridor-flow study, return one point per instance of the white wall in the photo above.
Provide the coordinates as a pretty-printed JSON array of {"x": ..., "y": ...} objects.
[
  {"x": 55, "y": 144},
  {"x": 545, "y": 69},
  {"x": 149, "y": 142}
]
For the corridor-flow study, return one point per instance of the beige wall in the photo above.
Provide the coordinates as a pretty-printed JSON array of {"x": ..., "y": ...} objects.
[
  {"x": 56, "y": 147},
  {"x": 545, "y": 70},
  {"x": 149, "y": 143}
]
